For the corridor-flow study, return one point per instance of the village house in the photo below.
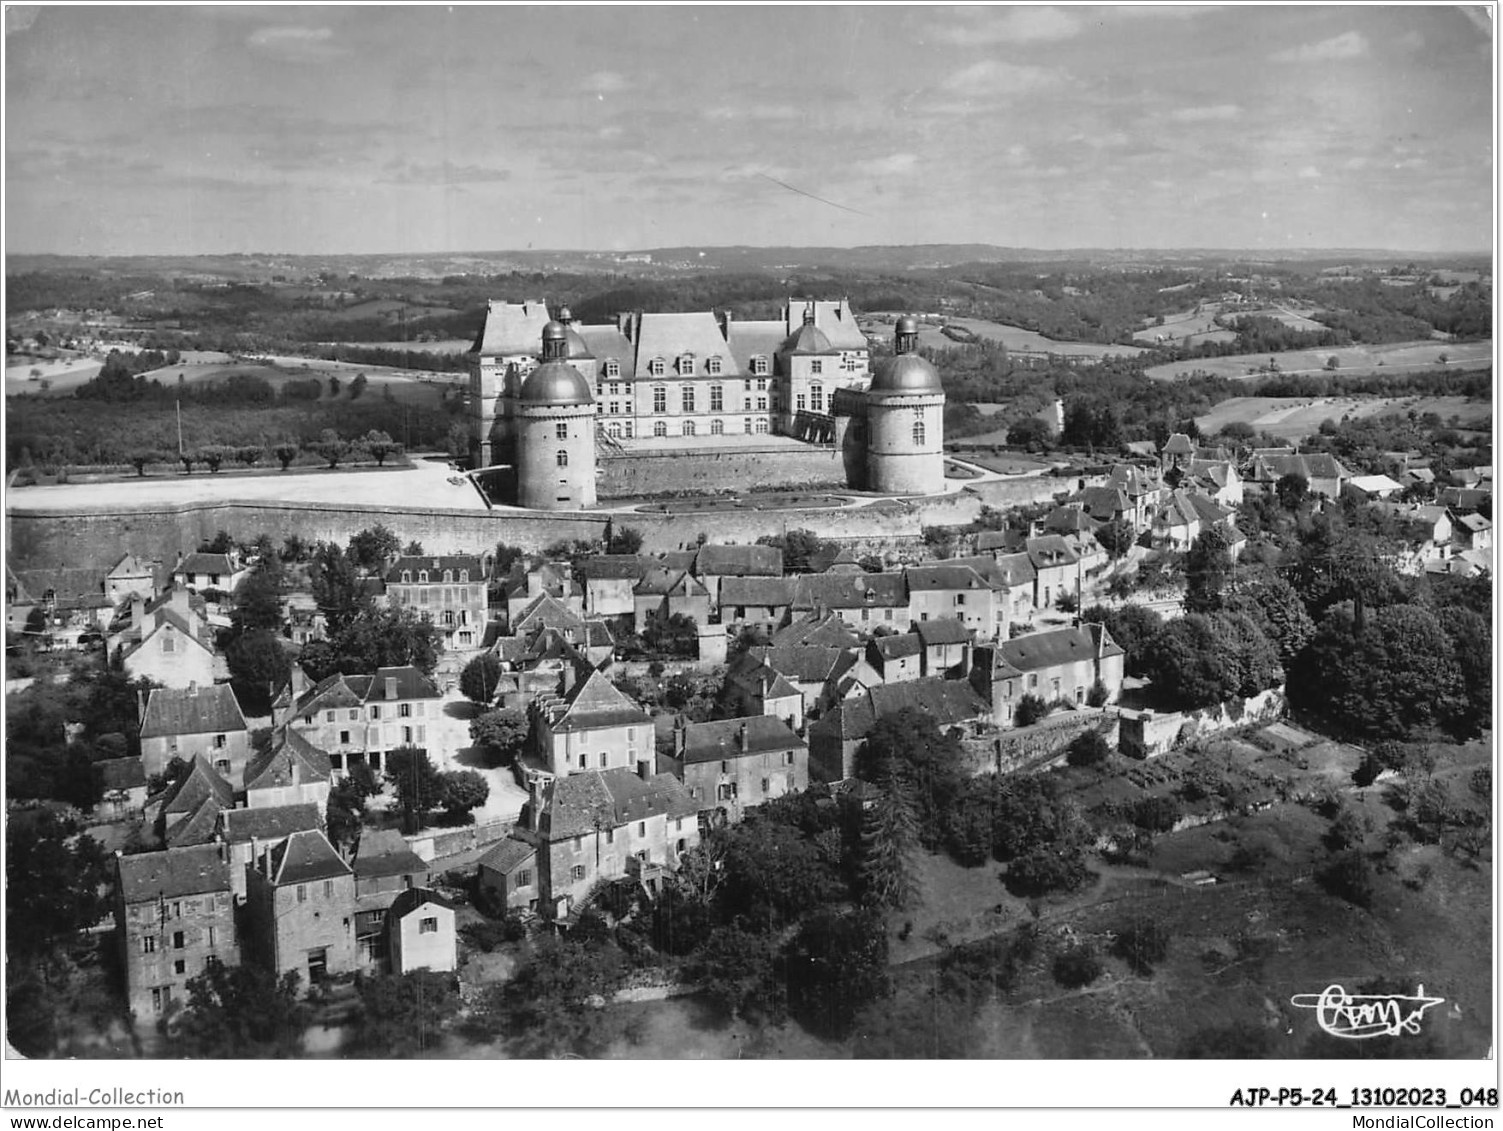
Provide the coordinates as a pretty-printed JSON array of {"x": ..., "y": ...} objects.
[
  {"x": 815, "y": 672},
  {"x": 835, "y": 739},
  {"x": 715, "y": 563},
  {"x": 167, "y": 640},
  {"x": 1324, "y": 473},
  {"x": 1185, "y": 515},
  {"x": 291, "y": 770},
  {"x": 951, "y": 591},
  {"x": 174, "y": 914},
  {"x": 1472, "y": 532},
  {"x": 552, "y": 579},
  {"x": 449, "y": 591},
  {"x": 947, "y": 647},
  {"x": 201, "y": 571},
  {"x": 608, "y": 583},
  {"x": 421, "y": 933},
  {"x": 131, "y": 577},
  {"x": 864, "y": 601},
  {"x": 756, "y": 602},
  {"x": 664, "y": 592},
  {"x": 1371, "y": 488},
  {"x": 1057, "y": 569},
  {"x": 193, "y": 720},
  {"x": 1217, "y": 478},
  {"x": 507, "y": 878},
  {"x": 247, "y": 833},
  {"x": 189, "y": 810},
  {"x": 607, "y": 825},
  {"x": 1064, "y": 664},
  {"x": 753, "y": 688},
  {"x": 896, "y": 657},
  {"x": 593, "y": 726},
  {"x": 300, "y": 904},
  {"x": 364, "y": 717},
  {"x": 385, "y": 867},
  {"x": 731, "y": 765}
]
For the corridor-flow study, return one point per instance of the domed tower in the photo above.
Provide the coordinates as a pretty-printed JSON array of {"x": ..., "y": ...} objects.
[
  {"x": 905, "y": 415},
  {"x": 576, "y": 351},
  {"x": 555, "y": 432}
]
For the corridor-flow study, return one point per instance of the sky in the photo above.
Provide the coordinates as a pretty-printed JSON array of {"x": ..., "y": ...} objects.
[{"x": 368, "y": 129}]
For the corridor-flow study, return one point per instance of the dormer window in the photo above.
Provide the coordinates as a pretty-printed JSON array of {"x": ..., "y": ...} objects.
[
  {"x": 612, "y": 369},
  {"x": 464, "y": 576},
  {"x": 407, "y": 577},
  {"x": 712, "y": 366},
  {"x": 759, "y": 366},
  {"x": 448, "y": 577},
  {"x": 422, "y": 577},
  {"x": 686, "y": 365},
  {"x": 656, "y": 367}
]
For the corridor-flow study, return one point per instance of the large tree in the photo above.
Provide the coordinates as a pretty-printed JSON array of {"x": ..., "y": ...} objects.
[
  {"x": 54, "y": 881},
  {"x": 909, "y": 748},
  {"x": 403, "y": 1015},
  {"x": 241, "y": 1012},
  {"x": 371, "y": 548},
  {"x": 1208, "y": 566},
  {"x": 1394, "y": 675},
  {"x": 1280, "y": 613},
  {"x": 500, "y": 734},
  {"x": 479, "y": 678},
  {"x": 419, "y": 786},
  {"x": 259, "y": 665},
  {"x": 835, "y": 967},
  {"x": 336, "y": 586},
  {"x": 549, "y": 1006},
  {"x": 1200, "y": 660},
  {"x": 1131, "y": 626}
]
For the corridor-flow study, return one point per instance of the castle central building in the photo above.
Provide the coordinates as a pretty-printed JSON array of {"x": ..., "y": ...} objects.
[{"x": 550, "y": 397}]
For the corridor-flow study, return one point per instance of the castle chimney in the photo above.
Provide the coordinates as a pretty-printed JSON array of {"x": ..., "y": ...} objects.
[
  {"x": 741, "y": 738},
  {"x": 138, "y": 612},
  {"x": 391, "y": 687},
  {"x": 680, "y": 737},
  {"x": 644, "y": 769}
]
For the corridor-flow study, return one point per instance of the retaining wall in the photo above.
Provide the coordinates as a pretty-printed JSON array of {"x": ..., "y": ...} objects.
[{"x": 1145, "y": 734}]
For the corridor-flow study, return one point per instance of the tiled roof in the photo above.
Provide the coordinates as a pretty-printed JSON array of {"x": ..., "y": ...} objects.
[
  {"x": 1070, "y": 520},
  {"x": 172, "y": 711},
  {"x": 122, "y": 773},
  {"x": 801, "y": 663},
  {"x": 306, "y": 856},
  {"x": 722, "y": 740},
  {"x": 827, "y": 630},
  {"x": 200, "y": 562},
  {"x": 66, "y": 582},
  {"x": 931, "y": 578},
  {"x": 1473, "y": 522},
  {"x": 850, "y": 591},
  {"x": 546, "y": 611},
  {"x": 670, "y": 336},
  {"x": 1039, "y": 650},
  {"x": 946, "y": 701},
  {"x": 328, "y": 693},
  {"x": 1374, "y": 483},
  {"x": 198, "y": 827},
  {"x": 1050, "y": 550},
  {"x": 512, "y": 328},
  {"x": 615, "y": 567},
  {"x": 508, "y": 855},
  {"x": 596, "y": 702},
  {"x": 271, "y": 822},
  {"x": 993, "y": 540},
  {"x": 614, "y": 797},
  {"x": 661, "y": 581},
  {"x": 132, "y": 566},
  {"x": 172, "y": 873},
  {"x": 1018, "y": 569},
  {"x": 412, "y": 899},
  {"x": 435, "y": 564},
  {"x": 1315, "y": 465},
  {"x": 407, "y": 683},
  {"x": 942, "y": 630},
  {"x": 1102, "y": 502},
  {"x": 898, "y": 646},
  {"x": 1463, "y": 498},
  {"x": 739, "y": 561},
  {"x": 771, "y": 592},
  {"x": 290, "y": 759},
  {"x": 1178, "y": 445},
  {"x": 385, "y": 852},
  {"x": 201, "y": 782}
]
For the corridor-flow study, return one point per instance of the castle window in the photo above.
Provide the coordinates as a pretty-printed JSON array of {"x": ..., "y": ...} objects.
[
  {"x": 717, "y": 428},
  {"x": 407, "y": 577},
  {"x": 464, "y": 576},
  {"x": 656, "y": 367},
  {"x": 562, "y": 458},
  {"x": 746, "y": 384},
  {"x": 612, "y": 368},
  {"x": 717, "y": 398},
  {"x": 422, "y": 577},
  {"x": 759, "y": 364},
  {"x": 712, "y": 366},
  {"x": 816, "y": 366},
  {"x": 688, "y": 428},
  {"x": 627, "y": 430},
  {"x": 918, "y": 433},
  {"x": 686, "y": 364},
  {"x": 561, "y": 430},
  {"x": 688, "y": 399},
  {"x": 660, "y": 428},
  {"x": 748, "y": 428},
  {"x": 448, "y": 580},
  {"x": 802, "y": 402},
  {"x": 659, "y": 398},
  {"x": 613, "y": 429},
  {"x": 761, "y": 427},
  {"x": 761, "y": 404},
  {"x": 615, "y": 408},
  {"x": 762, "y": 384},
  {"x": 817, "y": 398}
]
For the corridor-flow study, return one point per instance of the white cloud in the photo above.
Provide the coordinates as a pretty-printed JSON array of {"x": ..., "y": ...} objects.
[
  {"x": 1309, "y": 172},
  {"x": 295, "y": 42},
  {"x": 1349, "y": 45},
  {"x": 1165, "y": 11},
  {"x": 985, "y": 27},
  {"x": 993, "y": 78},
  {"x": 1224, "y": 112},
  {"x": 897, "y": 164},
  {"x": 756, "y": 112},
  {"x": 751, "y": 170}
]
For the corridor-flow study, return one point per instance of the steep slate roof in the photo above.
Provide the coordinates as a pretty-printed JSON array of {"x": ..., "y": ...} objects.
[
  {"x": 202, "y": 782},
  {"x": 801, "y": 663},
  {"x": 722, "y": 740},
  {"x": 415, "y": 899},
  {"x": 170, "y": 621},
  {"x": 1178, "y": 445},
  {"x": 1104, "y": 503},
  {"x": 330, "y": 692},
  {"x": 172, "y": 873},
  {"x": 290, "y": 760},
  {"x": 306, "y": 856},
  {"x": 738, "y": 561},
  {"x": 661, "y": 581},
  {"x": 1473, "y": 522},
  {"x": 174, "y": 711},
  {"x": 1131, "y": 479},
  {"x": 132, "y": 566},
  {"x": 932, "y": 578},
  {"x": 410, "y": 684},
  {"x": 767, "y": 591},
  {"x": 993, "y": 540},
  {"x": 946, "y": 701},
  {"x": 1050, "y": 550},
  {"x": 1018, "y": 569},
  {"x": 614, "y": 797},
  {"x": 385, "y": 852},
  {"x": 197, "y": 827},
  {"x": 546, "y": 611},
  {"x": 1463, "y": 498},
  {"x": 897, "y": 647},
  {"x": 1315, "y": 465},
  {"x": 508, "y": 855},
  {"x": 122, "y": 773},
  {"x": 512, "y": 328},
  {"x": 435, "y": 564},
  {"x": 615, "y": 567},
  {"x": 596, "y": 702},
  {"x": 272, "y": 822},
  {"x": 840, "y": 559},
  {"x": 1039, "y": 650},
  {"x": 850, "y": 591},
  {"x": 1070, "y": 520},
  {"x": 200, "y": 562},
  {"x": 828, "y": 630},
  {"x": 942, "y": 630},
  {"x": 670, "y": 336}
]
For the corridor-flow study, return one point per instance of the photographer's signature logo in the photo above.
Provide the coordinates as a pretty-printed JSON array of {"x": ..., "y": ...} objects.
[{"x": 1359, "y": 1016}]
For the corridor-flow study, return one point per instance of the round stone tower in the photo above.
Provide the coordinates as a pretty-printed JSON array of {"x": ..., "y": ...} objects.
[
  {"x": 555, "y": 432},
  {"x": 905, "y": 416}
]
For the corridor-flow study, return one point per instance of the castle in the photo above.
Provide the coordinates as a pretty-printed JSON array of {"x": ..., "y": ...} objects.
[{"x": 551, "y": 398}]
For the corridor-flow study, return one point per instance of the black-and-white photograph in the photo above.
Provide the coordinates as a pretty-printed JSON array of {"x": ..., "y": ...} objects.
[{"x": 750, "y": 532}]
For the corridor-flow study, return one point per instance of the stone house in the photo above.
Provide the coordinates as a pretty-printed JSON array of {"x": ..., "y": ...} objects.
[
  {"x": 715, "y": 563},
  {"x": 1063, "y": 664},
  {"x": 421, "y": 933},
  {"x": 447, "y": 590},
  {"x": 193, "y": 720},
  {"x": 666, "y": 592},
  {"x": 956, "y": 592},
  {"x": 290, "y": 771},
  {"x": 247, "y": 833},
  {"x": 168, "y": 640},
  {"x": 174, "y": 914},
  {"x": 731, "y": 765},
  {"x": 363, "y": 717},
  {"x": 200, "y": 571},
  {"x": 300, "y": 904},
  {"x": 836, "y": 738},
  {"x": 594, "y": 726},
  {"x": 385, "y": 867},
  {"x": 508, "y": 877}
]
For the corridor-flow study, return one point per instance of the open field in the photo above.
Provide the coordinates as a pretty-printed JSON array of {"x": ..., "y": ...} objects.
[
  {"x": 1189, "y": 327},
  {"x": 448, "y": 345},
  {"x": 62, "y": 376},
  {"x": 1013, "y": 337},
  {"x": 1395, "y": 357},
  {"x": 1294, "y": 418},
  {"x": 1295, "y": 319}
]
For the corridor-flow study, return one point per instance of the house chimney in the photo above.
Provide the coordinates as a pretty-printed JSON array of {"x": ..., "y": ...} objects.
[
  {"x": 391, "y": 687},
  {"x": 192, "y": 689},
  {"x": 741, "y": 738},
  {"x": 644, "y": 769},
  {"x": 138, "y": 612}
]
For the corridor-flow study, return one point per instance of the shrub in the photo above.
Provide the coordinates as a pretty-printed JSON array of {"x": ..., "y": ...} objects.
[
  {"x": 1156, "y": 814},
  {"x": 1098, "y": 695},
  {"x": 1350, "y": 877},
  {"x": 1044, "y": 870},
  {"x": 1088, "y": 749},
  {"x": 1077, "y": 967},
  {"x": 1030, "y": 710}
]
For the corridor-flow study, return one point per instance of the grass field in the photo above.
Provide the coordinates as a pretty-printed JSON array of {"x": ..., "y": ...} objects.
[
  {"x": 1396, "y": 357},
  {"x": 1189, "y": 327},
  {"x": 1294, "y": 418},
  {"x": 1013, "y": 337}
]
